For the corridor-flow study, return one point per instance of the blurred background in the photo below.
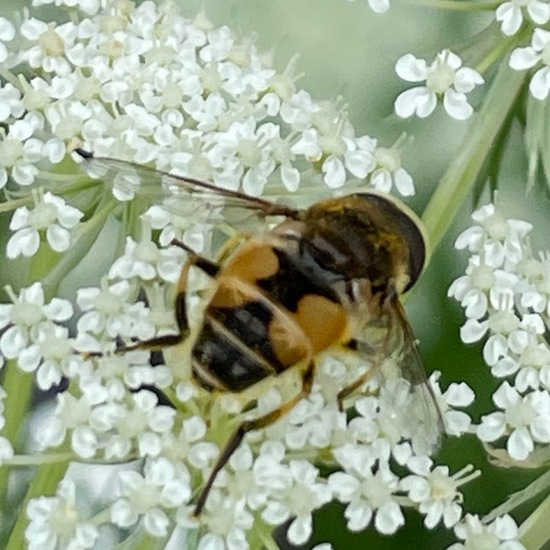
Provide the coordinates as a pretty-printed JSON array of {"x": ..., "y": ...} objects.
[{"x": 346, "y": 51}]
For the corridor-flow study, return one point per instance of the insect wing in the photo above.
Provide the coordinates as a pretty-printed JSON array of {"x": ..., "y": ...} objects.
[
  {"x": 179, "y": 195},
  {"x": 406, "y": 398},
  {"x": 422, "y": 414}
]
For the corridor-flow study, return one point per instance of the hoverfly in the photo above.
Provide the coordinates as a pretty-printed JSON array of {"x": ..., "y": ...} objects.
[{"x": 315, "y": 281}]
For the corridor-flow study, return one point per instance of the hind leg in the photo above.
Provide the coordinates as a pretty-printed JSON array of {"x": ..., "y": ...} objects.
[{"x": 249, "y": 425}]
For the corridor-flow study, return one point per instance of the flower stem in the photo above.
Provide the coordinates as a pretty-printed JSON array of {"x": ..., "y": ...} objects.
[
  {"x": 474, "y": 152},
  {"x": 141, "y": 540},
  {"x": 457, "y": 5},
  {"x": 39, "y": 459},
  {"x": 534, "y": 532},
  {"x": 89, "y": 232},
  {"x": 18, "y": 386}
]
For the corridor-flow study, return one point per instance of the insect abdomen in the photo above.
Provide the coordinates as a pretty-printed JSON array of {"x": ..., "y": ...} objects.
[
  {"x": 240, "y": 344},
  {"x": 266, "y": 316}
]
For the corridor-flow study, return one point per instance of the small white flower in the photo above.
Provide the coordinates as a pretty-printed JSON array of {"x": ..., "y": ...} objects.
[
  {"x": 360, "y": 156},
  {"x": 50, "y": 216},
  {"x": 523, "y": 420},
  {"x": 7, "y": 34},
  {"x": 501, "y": 534},
  {"x": 435, "y": 491},
  {"x": 501, "y": 242},
  {"x": 457, "y": 395},
  {"x": 22, "y": 318},
  {"x": 55, "y": 522},
  {"x": 510, "y": 14},
  {"x": 525, "y": 58},
  {"x": 10, "y": 98},
  {"x": 471, "y": 289},
  {"x": 49, "y": 49},
  {"x": 301, "y": 492},
  {"x": 107, "y": 311},
  {"x": 445, "y": 78},
  {"x": 226, "y": 521},
  {"x": 20, "y": 149},
  {"x": 369, "y": 495},
  {"x": 313, "y": 423},
  {"x": 389, "y": 172},
  {"x": 51, "y": 355},
  {"x": 187, "y": 444},
  {"x": 146, "y": 497},
  {"x": 146, "y": 261},
  {"x": 145, "y": 421},
  {"x": 74, "y": 415}
]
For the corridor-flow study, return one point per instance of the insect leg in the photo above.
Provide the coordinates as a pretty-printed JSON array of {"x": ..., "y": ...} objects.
[
  {"x": 250, "y": 425},
  {"x": 352, "y": 388},
  {"x": 158, "y": 343},
  {"x": 208, "y": 266},
  {"x": 360, "y": 348}
]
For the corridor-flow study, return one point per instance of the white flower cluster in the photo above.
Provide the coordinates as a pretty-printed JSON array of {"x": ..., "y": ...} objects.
[
  {"x": 501, "y": 534},
  {"x": 505, "y": 294},
  {"x": 518, "y": 14},
  {"x": 189, "y": 98},
  {"x": 267, "y": 481},
  {"x": 34, "y": 336},
  {"x": 143, "y": 84}
]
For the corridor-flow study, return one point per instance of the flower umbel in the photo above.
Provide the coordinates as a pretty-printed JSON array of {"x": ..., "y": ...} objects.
[{"x": 141, "y": 85}]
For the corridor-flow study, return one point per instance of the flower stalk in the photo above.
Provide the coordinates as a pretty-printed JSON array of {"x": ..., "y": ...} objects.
[{"x": 465, "y": 169}]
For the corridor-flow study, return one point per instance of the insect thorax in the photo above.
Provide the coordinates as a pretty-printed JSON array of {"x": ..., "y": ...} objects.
[{"x": 365, "y": 237}]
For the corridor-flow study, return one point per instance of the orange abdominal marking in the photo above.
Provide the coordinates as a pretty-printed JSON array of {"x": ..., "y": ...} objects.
[{"x": 323, "y": 321}]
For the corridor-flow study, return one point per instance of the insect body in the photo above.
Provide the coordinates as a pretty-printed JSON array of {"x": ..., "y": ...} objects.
[{"x": 315, "y": 281}]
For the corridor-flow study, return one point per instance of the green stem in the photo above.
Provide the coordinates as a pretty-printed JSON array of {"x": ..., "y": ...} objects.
[
  {"x": 472, "y": 154},
  {"x": 141, "y": 540},
  {"x": 8, "y": 76},
  {"x": 267, "y": 539},
  {"x": 12, "y": 204},
  {"x": 90, "y": 231},
  {"x": 457, "y": 6},
  {"x": 18, "y": 385},
  {"x": 39, "y": 459},
  {"x": 60, "y": 190},
  {"x": 534, "y": 532}
]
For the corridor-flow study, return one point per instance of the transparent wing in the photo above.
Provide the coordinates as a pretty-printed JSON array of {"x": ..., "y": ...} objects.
[
  {"x": 405, "y": 393},
  {"x": 179, "y": 195},
  {"x": 424, "y": 414}
]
